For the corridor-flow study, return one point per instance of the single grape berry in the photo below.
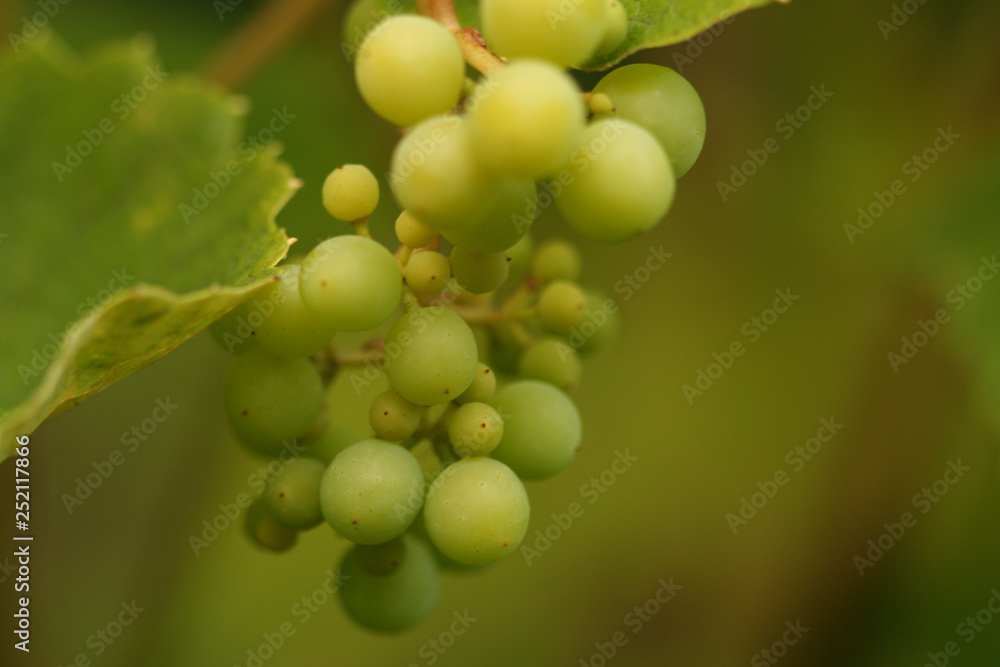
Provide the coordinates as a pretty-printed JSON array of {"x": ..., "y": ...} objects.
[
  {"x": 372, "y": 491},
  {"x": 292, "y": 495},
  {"x": 392, "y": 417},
  {"x": 662, "y": 101},
  {"x": 556, "y": 260},
  {"x": 270, "y": 401},
  {"x": 476, "y": 511},
  {"x": 499, "y": 225},
  {"x": 615, "y": 28},
  {"x": 350, "y": 283},
  {"x": 410, "y": 68},
  {"x": 479, "y": 273},
  {"x": 565, "y": 33},
  {"x": 483, "y": 386},
  {"x": 233, "y": 331},
  {"x": 350, "y": 192},
  {"x": 475, "y": 429},
  {"x": 264, "y": 531},
  {"x": 412, "y": 233},
  {"x": 427, "y": 271},
  {"x": 553, "y": 361},
  {"x": 289, "y": 329},
  {"x": 561, "y": 306},
  {"x": 542, "y": 429},
  {"x": 382, "y": 559}
]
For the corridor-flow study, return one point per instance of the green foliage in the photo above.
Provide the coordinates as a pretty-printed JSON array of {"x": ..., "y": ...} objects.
[{"x": 135, "y": 214}]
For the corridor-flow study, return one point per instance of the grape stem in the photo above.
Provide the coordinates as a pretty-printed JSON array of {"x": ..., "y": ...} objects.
[{"x": 471, "y": 42}]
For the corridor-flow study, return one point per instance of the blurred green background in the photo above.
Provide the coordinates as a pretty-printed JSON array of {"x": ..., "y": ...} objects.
[{"x": 665, "y": 517}]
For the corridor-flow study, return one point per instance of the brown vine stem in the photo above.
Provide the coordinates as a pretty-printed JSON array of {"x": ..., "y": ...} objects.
[
  {"x": 260, "y": 38},
  {"x": 471, "y": 42}
]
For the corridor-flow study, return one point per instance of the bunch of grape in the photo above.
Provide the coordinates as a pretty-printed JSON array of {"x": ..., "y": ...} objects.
[{"x": 438, "y": 482}]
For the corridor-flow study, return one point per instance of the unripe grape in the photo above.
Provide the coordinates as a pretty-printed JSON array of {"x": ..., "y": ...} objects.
[
  {"x": 350, "y": 192},
  {"x": 663, "y": 102},
  {"x": 556, "y": 260},
  {"x": 382, "y": 559},
  {"x": 527, "y": 119},
  {"x": 350, "y": 283},
  {"x": 483, "y": 386},
  {"x": 500, "y": 224},
  {"x": 292, "y": 496},
  {"x": 520, "y": 259},
  {"x": 333, "y": 439},
  {"x": 410, "y": 68},
  {"x": 431, "y": 356},
  {"x": 475, "y": 429},
  {"x": 565, "y": 33},
  {"x": 427, "y": 271},
  {"x": 233, "y": 331},
  {"x": 372, "y": 491},
  {"x": 606, "y": 318},
  {"x": 476, "y": 511},
  {"x": 561, "y": 306},
  {"x": 270, "y": 400},
  {"x": 479, "y": 273},
  {"x": 615, "y": 28},
  {"x": 412, "y": 233},
  {"x": 622, "y": 183},
  {"x": 392, "y": 417},
  {"x": 264, "y": 531},
  {"x": 290, "y": 329},
  {"x": 553, "y": 361},
  {"x": 361, "y": 18},
  {"x": 391, "y": 602},
  {"x": 542, "y": 429}
]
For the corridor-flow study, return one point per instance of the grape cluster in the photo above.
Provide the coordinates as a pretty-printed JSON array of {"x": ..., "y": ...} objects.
[{"x": 438, "y": 481}]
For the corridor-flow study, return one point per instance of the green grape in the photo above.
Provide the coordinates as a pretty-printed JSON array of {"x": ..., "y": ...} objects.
[
  {"x": 412, "y": 233},
  {"x": 615, "y": 28},
  {"x": 561, "y": 306},
  {"x": 372, "y": 491},
  {"x": 553, "y": 361},
  {"x": 476, "y": 511},
  {"x": 382, "y": 559},
  {"x": 361, "y": 18},
  {"x": 350, "y": 283},
  {"x": 410, "y": 68},
  {"x": 292, "y": 496},
  {"x": 541, "y": 429},
  {"x": 501, "y": 224},
  {"x": 393, "y": 602},
  {"x": 600, "y": 327},
  {"x": 431, "y": 356},
  {"x": 479, "y": 273},
  {"x": 271, "y": 400},
  {"x": 526, "y": 119},
  {"x": 393, "y": 417},
  {"x": 333, "y": 439},
  {"x": 556, "y": 260},
  {"x": 289, "y": 329},
  {"x": 483, "y": 386},
  {"x": 520, "y": 259},
  {"x": 234, "y": 333},
  {"x": 350, "y": 192},
  {"x": 662, "y": 101},
  {"x": 265, "y": 531},
  {"x": 475, "y": 429},
  {"x": 427, "y": 271},
  {"x": 565, "y": 33},
  {"x": 419, "y": 530},
  {"x": 435, "y": 176},
  {"x": 620, "y": 182}
]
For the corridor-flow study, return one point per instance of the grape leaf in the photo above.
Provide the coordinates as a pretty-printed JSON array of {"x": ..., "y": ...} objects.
[
  {"x": 134, "y": 216},
  {"x": 652, "y": 23}
]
